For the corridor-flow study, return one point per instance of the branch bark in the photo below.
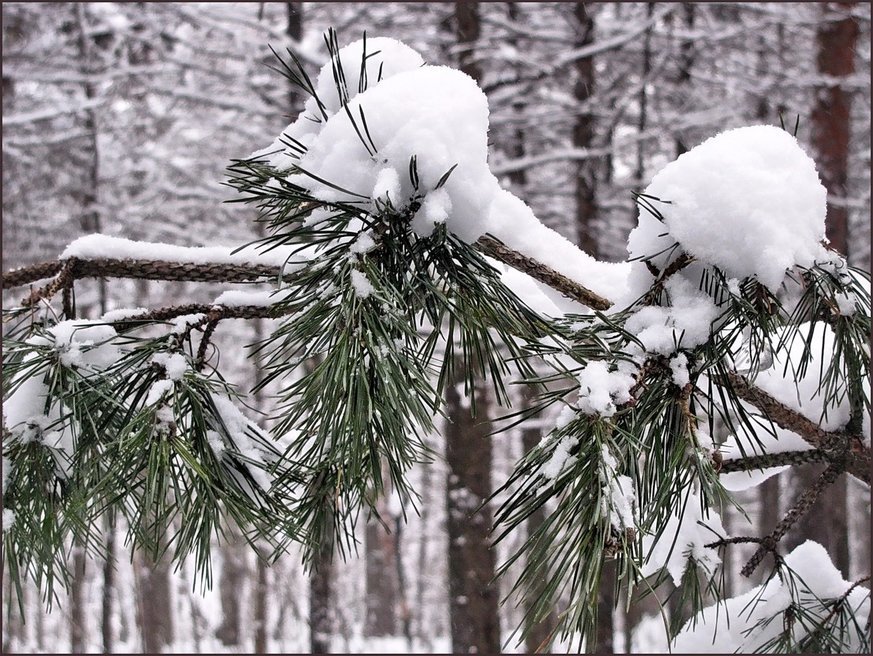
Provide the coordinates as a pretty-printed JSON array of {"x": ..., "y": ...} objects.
[{"x": 837, "y": 446}]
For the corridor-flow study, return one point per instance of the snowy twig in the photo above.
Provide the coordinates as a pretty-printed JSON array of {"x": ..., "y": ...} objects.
[
  {"x": 836, "y": 446},
  {"x": 801, "y": 506},
  {"x": 142, "y": 269},
  {"x": 539, "y": 271},
  {"x": 772, "y": 460}
]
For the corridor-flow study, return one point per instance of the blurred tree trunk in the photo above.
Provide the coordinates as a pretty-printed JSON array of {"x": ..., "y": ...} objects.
[
  {"x": 475, "y": 625},
  {"x": 232, "y": 582},
  {"x": 830, "y": 126},
  {"x": 472, "y": 597},
  {"x": 381, "y": 578},
  {"x": 155, "y": 605},
  {"x": 106, "y": 632},
  {"x": 686, "y": 64},
  {"x": 584, "y": 131},
  {"x": 320, "y": 584}
]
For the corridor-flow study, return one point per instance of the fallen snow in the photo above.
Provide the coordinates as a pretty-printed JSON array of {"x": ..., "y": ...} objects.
[
  {"x": 683, "y": 538},
  {"x": 601, "y": 390},
  {"x": 747, "y": 200},
  {"x": 97, "y": 246},
  {"x": 732, "y": 626}
]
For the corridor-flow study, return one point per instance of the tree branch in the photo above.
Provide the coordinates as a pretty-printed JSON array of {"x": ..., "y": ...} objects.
[
  {"x": 546, "y": 275},
  {"x": 836, "y": 446},
  {"x": 772, "y": 460}
]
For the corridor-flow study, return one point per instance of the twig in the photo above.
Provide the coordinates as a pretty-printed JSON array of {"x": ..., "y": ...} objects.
[
  {"x": 493, "y": 248},
  {"x": 204, "y": 344},
  {"x": 800, "y": 507},
  {"x": 772, "y": 460},
  {"x": 835, "y": 445}
]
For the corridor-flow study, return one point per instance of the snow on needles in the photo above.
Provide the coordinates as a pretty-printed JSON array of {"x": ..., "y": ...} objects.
[
  {"x": 438, "y": 115},
  {"x": 740, "y": 625},
  {"x": 747, "y": 200}
]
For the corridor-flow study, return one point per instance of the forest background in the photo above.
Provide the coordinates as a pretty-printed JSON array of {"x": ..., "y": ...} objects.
[{"x": 120, "y": 118}]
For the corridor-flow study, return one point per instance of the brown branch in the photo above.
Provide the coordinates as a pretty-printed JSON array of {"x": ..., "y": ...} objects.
[
  {"x": 141, "y": 269},
  {"x": 801, "y": 506},
  {"x": 29, "y": 274},
  {"x": 835, "y": 445},
  {"x": 493, "y": 248},
  {"x": 772, "y": 460},
  {"x": 211, "y": 312}
]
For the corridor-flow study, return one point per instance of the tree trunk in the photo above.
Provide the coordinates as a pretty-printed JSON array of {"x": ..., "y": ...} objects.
[
  {"x": 583, "y": 132},
  {"x": 830, "y": 139},
  {"x": 686, "y": 63},
  {"x": 234, "y": 574},
  {"x": 155, "y": 605},
  {"x": 320, "y": 621},
  {"x": 831, "y": 115},
  {"x": 106, "y": 632},
  {"x": 381, "y": 619},
  {"x": 472, "y": 597}
]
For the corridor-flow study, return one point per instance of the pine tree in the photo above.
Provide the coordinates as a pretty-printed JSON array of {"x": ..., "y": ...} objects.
[{"x": 383, "y": 305}]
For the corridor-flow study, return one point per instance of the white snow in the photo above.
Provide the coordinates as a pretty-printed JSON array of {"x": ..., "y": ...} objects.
[
  {"x": 363, "y": 286},
  {"x": 85, "y": 344},
  {"x": 174, "y": 364},
  {"x": 440, "y": 116},
  {"x": 181, "y": 323},
  {"x": 683, "y": 538},
  {"x": 158, "y": 390},
  {"x": 8, "y": 519},
  {"x": 679, "y": 367},
  {"x": 685, "y": 323},
  {"x": 560, "y": 459},
  {"x": 731, "y": 627},
  {"x": 803, "y": 393},
  {"x": 747, "y": 200},
  {"x": 619, "y": 494},
  {"x": 98, "y": 246},
  {"x": 238, "y": 427},
  {"x": 601, "y": 390}
]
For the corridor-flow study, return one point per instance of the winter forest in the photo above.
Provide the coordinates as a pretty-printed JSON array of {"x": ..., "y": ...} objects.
[{"x": 436, "y": 327}]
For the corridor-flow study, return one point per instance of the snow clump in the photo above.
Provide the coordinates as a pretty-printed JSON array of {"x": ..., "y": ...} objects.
[
  {"x": 748, "y": 201},
  {"x": 740, "y": 625},
  {"x": 683, "y": 539}
]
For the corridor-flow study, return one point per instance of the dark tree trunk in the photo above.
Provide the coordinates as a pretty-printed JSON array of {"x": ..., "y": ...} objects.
[
  {"x": 472, "y": 597},
  {"x": 234, "y": 574},
  {"x": 108, "y": 590},
  {"x": 584, "y": 132},
  {"x": 475, "y": 626},
  {"x": 381, "y": 618},
  {"x": 686, "y": 63},
  {"x": 320, "y": 620},
  {"x": 155, "y": 606},
  {"x": 831, "y": 115},
  {"x": 827, "y": 523}
]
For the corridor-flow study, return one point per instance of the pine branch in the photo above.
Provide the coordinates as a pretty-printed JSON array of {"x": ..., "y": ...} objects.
[
  {"x": 539, "y": 271},
  {"x": 801, "y": 506},
  {"x": 216, "y": 272},
  {"x": 140, "y": 269},
  {"x": 772, "y": 460},
  {"x": 836, "y": 446}
]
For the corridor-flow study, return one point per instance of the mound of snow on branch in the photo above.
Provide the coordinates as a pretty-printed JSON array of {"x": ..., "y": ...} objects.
[
  {"x": 748, "y": 200},
  {"x": 740, "y": 625}
]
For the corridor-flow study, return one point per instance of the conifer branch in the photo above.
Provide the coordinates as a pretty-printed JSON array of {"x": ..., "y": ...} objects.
[
  {"x": 837, "y": 446},
  {"x": 772, "y": 460},
  {"x": 493, "y": 248},
  {"x": 801, "y": 506}
]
